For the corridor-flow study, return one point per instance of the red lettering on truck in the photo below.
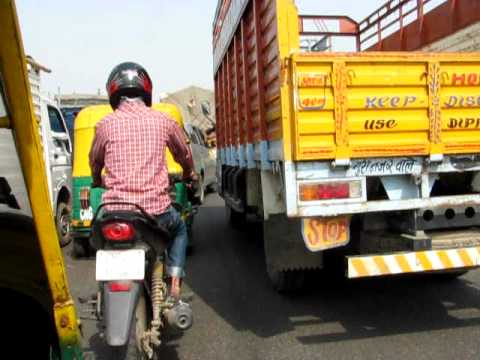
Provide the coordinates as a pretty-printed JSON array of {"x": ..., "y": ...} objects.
[{"x": 465, "y": 79}]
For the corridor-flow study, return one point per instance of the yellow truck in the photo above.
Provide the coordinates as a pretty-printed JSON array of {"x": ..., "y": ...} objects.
[
  {"x": 375, "y": 154},
  {"x": 39, "y": 313}
]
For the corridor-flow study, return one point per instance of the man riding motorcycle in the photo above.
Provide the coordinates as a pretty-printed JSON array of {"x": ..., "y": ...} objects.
[{"x": 129, "y": 146}]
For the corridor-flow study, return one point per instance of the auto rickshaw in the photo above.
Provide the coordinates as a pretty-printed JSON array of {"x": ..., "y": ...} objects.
[
  {"x": 39, "y": 314},
  {"x": 87, "y": 199}
]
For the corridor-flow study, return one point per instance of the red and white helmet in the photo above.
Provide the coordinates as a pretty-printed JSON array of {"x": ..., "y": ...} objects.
[{"x": 130, "y": 80}]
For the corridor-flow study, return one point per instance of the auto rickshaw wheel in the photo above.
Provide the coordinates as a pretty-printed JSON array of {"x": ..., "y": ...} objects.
[
  {"x": 62, "y": 219},
  {"x": 81, "y": 248}
]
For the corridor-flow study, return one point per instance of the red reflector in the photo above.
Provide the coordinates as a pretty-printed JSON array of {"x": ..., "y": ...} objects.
[
  {"x": 85, "y": 198},
  {"x": 118, "y": 231},
  {"x": 309, "y": 192},
  {"x": 119, "y": 286}
]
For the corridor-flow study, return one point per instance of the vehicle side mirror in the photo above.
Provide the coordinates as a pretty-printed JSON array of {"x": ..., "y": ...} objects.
[{"x": 60, "y": 136}]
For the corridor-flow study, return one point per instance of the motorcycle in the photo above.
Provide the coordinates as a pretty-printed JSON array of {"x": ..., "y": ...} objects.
[{"x": 132, "y": 301}]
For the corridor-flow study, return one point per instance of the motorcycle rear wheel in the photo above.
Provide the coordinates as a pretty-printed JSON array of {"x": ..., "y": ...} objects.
[{"x": 132, "y": 350}]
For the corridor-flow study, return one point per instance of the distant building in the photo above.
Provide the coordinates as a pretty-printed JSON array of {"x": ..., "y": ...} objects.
[{"x": 81, "y": 100}]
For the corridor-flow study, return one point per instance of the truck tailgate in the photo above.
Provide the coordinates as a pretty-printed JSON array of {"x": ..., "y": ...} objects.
[{"x": 384, "y": 104}]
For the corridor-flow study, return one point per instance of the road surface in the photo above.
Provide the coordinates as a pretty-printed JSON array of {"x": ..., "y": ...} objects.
[{"x": 238, "y": 315}]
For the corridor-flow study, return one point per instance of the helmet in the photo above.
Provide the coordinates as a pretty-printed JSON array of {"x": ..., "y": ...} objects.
[{"x": 130, "y": 80}]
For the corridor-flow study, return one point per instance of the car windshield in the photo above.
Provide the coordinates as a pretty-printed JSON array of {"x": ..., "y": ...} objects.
[
  {"x": 56, "y": 122},
  {"x": 69, "y": 114}
]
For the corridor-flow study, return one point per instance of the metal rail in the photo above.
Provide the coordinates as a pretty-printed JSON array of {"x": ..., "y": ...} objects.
[{"x": 393, "y": 16}]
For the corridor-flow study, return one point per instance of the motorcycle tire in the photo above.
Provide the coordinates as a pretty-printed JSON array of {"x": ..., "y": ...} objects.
[
  {"x": 132, "y": 349},
  {"x": 81, "y": 248}
]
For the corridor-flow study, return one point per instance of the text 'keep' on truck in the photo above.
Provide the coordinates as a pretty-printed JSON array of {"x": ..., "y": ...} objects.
[{"x": 374, "y": 154}]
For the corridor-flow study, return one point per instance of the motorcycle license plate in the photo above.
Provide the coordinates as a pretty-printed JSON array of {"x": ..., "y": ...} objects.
[
  {"x": 120, "y": 265},
  {"x": 326, "y": 233}
]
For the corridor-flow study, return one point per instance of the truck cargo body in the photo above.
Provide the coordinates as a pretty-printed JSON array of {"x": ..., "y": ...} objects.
[{"x": 385, "y": 138}]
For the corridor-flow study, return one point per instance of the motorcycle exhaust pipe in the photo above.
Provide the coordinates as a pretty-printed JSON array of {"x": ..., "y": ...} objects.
[{"x": 180, "y": 316}]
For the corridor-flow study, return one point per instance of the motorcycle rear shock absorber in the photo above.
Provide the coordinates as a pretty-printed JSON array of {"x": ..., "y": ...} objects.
[{"x": 159, "y": 294}]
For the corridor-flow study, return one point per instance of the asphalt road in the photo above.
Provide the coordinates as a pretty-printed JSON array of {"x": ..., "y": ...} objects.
[{"x": 239, "y": 316}]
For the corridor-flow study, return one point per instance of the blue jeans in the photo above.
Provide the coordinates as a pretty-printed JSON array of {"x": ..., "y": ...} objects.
[{"x": 176, "y": 253}]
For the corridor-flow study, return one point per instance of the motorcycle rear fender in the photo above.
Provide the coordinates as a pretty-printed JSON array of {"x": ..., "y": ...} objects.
[{"x": 119, "y": 309}]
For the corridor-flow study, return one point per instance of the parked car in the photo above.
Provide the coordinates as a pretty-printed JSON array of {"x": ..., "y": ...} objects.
[
  {"x": 204, "y": 158},
  {"x": 57, "y": 148}
]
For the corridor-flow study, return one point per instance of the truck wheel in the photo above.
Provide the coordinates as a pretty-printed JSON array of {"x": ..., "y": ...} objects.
[
  {"x": 81, "y": 248},
  {"x": 450, "y": 275},
  {"x": 62, "y": 220},
  {"x": 190, "y": 246},
  {"x": 235, "y": 218},
  {"x": 287, "y": 280}
]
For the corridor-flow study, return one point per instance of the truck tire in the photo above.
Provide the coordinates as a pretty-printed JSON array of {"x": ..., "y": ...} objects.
[
  {"x": 450, "y": 275},
  {"x": 236, "y": 219},
  {"x": 81, "y": 248},
  {"x": 62, "y": 222},
  {"x": 287, "y": 281},
  {"x": 190, "y": 246}
]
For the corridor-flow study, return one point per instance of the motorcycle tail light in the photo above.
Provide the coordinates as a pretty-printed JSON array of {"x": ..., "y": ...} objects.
[
  {"x": 119, "y": 286},
  {"x": 85, "y": 198},
  {"x": 118, "y": 231}
]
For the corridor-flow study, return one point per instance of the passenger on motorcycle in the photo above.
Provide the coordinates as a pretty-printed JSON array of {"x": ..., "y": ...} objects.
[{"x": 129, "y": 147}]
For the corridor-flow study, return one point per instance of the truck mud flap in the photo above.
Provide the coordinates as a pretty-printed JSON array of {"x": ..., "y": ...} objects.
[
  {"x": 413, "y": 262},
  {"x": 285, "y": 248}
]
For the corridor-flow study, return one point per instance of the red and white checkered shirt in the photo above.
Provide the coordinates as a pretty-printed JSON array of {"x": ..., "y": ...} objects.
[{"x": 130, "y": 145}]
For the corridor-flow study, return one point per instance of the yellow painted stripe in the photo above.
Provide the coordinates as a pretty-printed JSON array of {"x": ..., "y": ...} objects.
[
  {"x": 359, "y": 267},
  {"x": 445, "y": 260},
  {"x": 403, "y": 263},
  {"x": 424, "y": 261},
  {"x": 478, "y": 250},
  {"x": 466, "y": 260},
  {"x": 381, "y": 265}
]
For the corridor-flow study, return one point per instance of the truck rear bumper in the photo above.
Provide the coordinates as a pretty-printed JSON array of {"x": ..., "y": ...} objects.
[
  {"x": 407, "y": 187},
  {"x": 386, "y": 205},
  {"x": 413, "y": 262}
]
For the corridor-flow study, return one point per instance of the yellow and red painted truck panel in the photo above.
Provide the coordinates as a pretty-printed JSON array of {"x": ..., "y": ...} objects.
[
  {"x": 335, "y": 106},
  {"x": 384, "y": 104}
]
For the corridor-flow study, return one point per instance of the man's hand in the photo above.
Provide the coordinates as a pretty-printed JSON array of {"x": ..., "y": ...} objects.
[
  {"x": 97, "y": 182},
  {"x": 192, "y": 181}
]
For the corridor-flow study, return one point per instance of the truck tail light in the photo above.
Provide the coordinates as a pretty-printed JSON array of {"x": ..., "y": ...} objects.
[
  {"x": 330, "y": 190},
  {"x": 120, "y": 286},
  {"x": 118, "y": 231},
  {"x": 85, "y": 198}
]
